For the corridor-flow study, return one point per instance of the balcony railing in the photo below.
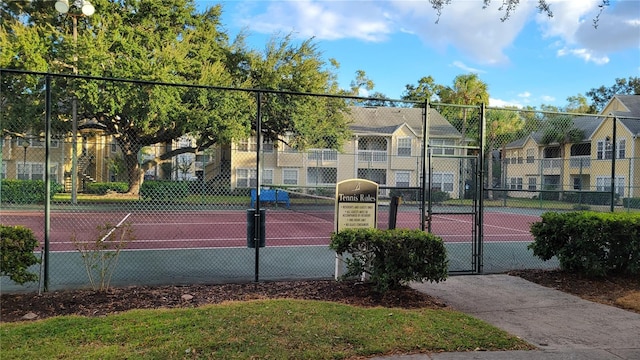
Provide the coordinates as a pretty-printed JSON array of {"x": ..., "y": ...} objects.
[
  {"x": 551, "y": 163},
  {"x": 580, "y": 161},
  {"x": 372, "y": 155}
]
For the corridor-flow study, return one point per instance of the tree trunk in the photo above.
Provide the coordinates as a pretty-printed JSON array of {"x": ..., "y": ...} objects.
[{"x": 134, "y": 171}]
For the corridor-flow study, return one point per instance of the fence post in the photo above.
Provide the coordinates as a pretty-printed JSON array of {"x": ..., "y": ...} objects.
[{"x": 613, "y": 166}]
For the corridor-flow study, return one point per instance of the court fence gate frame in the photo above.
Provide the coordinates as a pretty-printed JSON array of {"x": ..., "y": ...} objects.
[{"x": 190, "y": 216}]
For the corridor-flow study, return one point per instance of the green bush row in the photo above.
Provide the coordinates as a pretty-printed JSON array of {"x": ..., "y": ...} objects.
[
  {"x": 589, "y": 198},
  {"x": 101, "y": 188},
  {"x": 26, "y": 191},
  {"x": 633, "y": 203},
  {"x": 392, "y": 258},
  {"x": 17, "y": 244},
  {"x": 594, "y": 244},
  {"x": 159, "y": 190}
]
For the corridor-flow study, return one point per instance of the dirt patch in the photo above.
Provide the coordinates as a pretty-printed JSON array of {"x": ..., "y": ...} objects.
[{"x": 615, "y": 291}]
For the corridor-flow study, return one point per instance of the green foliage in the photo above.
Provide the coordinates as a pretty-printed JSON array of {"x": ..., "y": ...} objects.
[
  {"x": 392, "y": 258},
  {"x": 595, "y": 244},
  {"x": 589, "y": 198},
  {"x": 17, "y": 244},
  {"x": 100, "y": 254},
  {"x": 101, "y": 188},
  {"x": 439, "y": 197},
  {"x": 26, "y": 191},
  {"x": 633, "y": 203},
  {"x": 160, "y": 190}
]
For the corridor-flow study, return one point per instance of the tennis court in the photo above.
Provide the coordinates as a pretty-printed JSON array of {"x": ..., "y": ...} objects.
[{"x": 218, "y": 228}]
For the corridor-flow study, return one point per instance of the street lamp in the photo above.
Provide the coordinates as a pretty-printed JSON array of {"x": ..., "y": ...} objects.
[
  {"x": 25, "y": 145},
  {"x": 62, "y": 6}
]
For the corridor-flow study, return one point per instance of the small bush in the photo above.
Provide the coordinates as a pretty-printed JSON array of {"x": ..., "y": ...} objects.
[
  {"x": 17, "y": 244},
  {"x": 100, "y": 254},
  {"x": 26, "y": 191},
  {"x": 164, "y": 190},
  {"x": 101, "y": 188},
  {"x": 594, "y": 244},
  {"x": 392, "y": 258}
]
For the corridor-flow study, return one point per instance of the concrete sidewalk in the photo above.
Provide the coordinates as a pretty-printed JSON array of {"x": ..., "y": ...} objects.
[{"x": 561, "y": 325}]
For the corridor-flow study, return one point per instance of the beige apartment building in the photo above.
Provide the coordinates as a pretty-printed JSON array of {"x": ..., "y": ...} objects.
[
  {"x": 386, "y": 148},
  {"x": 587, "y": 166}
]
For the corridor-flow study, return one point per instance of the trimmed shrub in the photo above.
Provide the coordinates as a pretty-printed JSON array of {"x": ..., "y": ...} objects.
[
  {"x": 438, "y": 196},
  {"x": 392, "y": 258},
  {"x": 633, "y": 203},
  {"x": 159, "y": 190},
  {"x": 589, "y": 197},
  {"x": 17, "y": 244},
  {"x": 101, "y": 188},
  {"x": 26, "y": 191},
  {"x": 594, "y": 244}
]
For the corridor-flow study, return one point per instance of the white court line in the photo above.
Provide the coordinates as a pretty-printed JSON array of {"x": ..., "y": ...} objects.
[
  {"x": 115, "y": 227},
  {"x": 493, "y": 226}
]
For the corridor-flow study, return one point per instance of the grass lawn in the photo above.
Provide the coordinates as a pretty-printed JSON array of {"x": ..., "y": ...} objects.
[{"x": 278, "y": 329}]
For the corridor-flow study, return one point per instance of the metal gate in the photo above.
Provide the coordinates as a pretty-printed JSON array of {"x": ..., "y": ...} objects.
[{"x": 456, "y": 218}]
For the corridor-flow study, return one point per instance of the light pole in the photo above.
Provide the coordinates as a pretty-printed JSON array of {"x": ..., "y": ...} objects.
[
  {"x": 25, "y": 145},
  {"x": 62, "y": 6}
]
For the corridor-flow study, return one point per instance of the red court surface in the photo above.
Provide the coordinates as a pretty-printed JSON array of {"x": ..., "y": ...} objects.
[{"x": 217, "y": 229}]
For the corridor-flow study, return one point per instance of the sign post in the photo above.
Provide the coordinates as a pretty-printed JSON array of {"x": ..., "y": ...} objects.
[{"x": 356, "y": 207}]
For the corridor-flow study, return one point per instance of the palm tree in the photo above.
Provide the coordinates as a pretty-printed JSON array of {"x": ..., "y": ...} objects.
[
  {"x": 466, "y": 90},
  {"x": 560, "y": 130},
  {"x": 502, "y": 128}
]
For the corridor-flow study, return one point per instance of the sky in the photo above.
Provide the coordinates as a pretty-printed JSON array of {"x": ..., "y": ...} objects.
[{"x": 527, "y": 60}]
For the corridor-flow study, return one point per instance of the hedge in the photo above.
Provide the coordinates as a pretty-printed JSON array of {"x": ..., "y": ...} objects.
[
  {"x": 101, "y": 188},
  {"x": 392, "y": 258},
  {"x": 26, "y": 191},
  {"x": 633, "y": 203},
  {"x": 161, "y": 190},
  {"x": 594, "y": 244}
]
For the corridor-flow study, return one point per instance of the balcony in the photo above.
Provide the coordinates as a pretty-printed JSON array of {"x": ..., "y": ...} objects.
[
  {"x": 580, "y": 162},
  {"x": 372, "y": 156}
]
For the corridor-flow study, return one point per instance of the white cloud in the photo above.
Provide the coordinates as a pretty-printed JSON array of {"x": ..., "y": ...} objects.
[
  {"x": 463, "y": 66},
  {"x": 504, "y": 103},
  {"x": 525, "y": 95},
  {"x": 585, "y": 54},
  {"x": 618, "y": 28},
  {"x": 327, "y": 20},
  {"x": 547, "y": 98}
]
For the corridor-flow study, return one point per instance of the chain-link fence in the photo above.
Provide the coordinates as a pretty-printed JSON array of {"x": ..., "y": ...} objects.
[{"x": 172, "y": 178}]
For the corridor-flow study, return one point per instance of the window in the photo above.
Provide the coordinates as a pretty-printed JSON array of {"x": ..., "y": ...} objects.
[
  {"x": 531, "y": 153},
  {"x": 604, "y": 150},
  {"x": 247, "y": 177},
  {"x": 438, "y": 146},
  {"x": 402, "y": 178},
  {"x": 3, "y": 170},
  {"x": 33, "y": 171},
  {"x": 404, "y": 147},
  {"x": 267, "y": 176},
  {"x": 442, "y": 182},
  {"x": 603, "y": 183},
  {"x": 515, "y": 183},
  {"x": 113, "y": 145},
  {"x": 290, "y": 176},
  {"x": 249, "y": 145},
  {"x": 533, "y": 184},
  {"x": 621, "y": 151}
]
